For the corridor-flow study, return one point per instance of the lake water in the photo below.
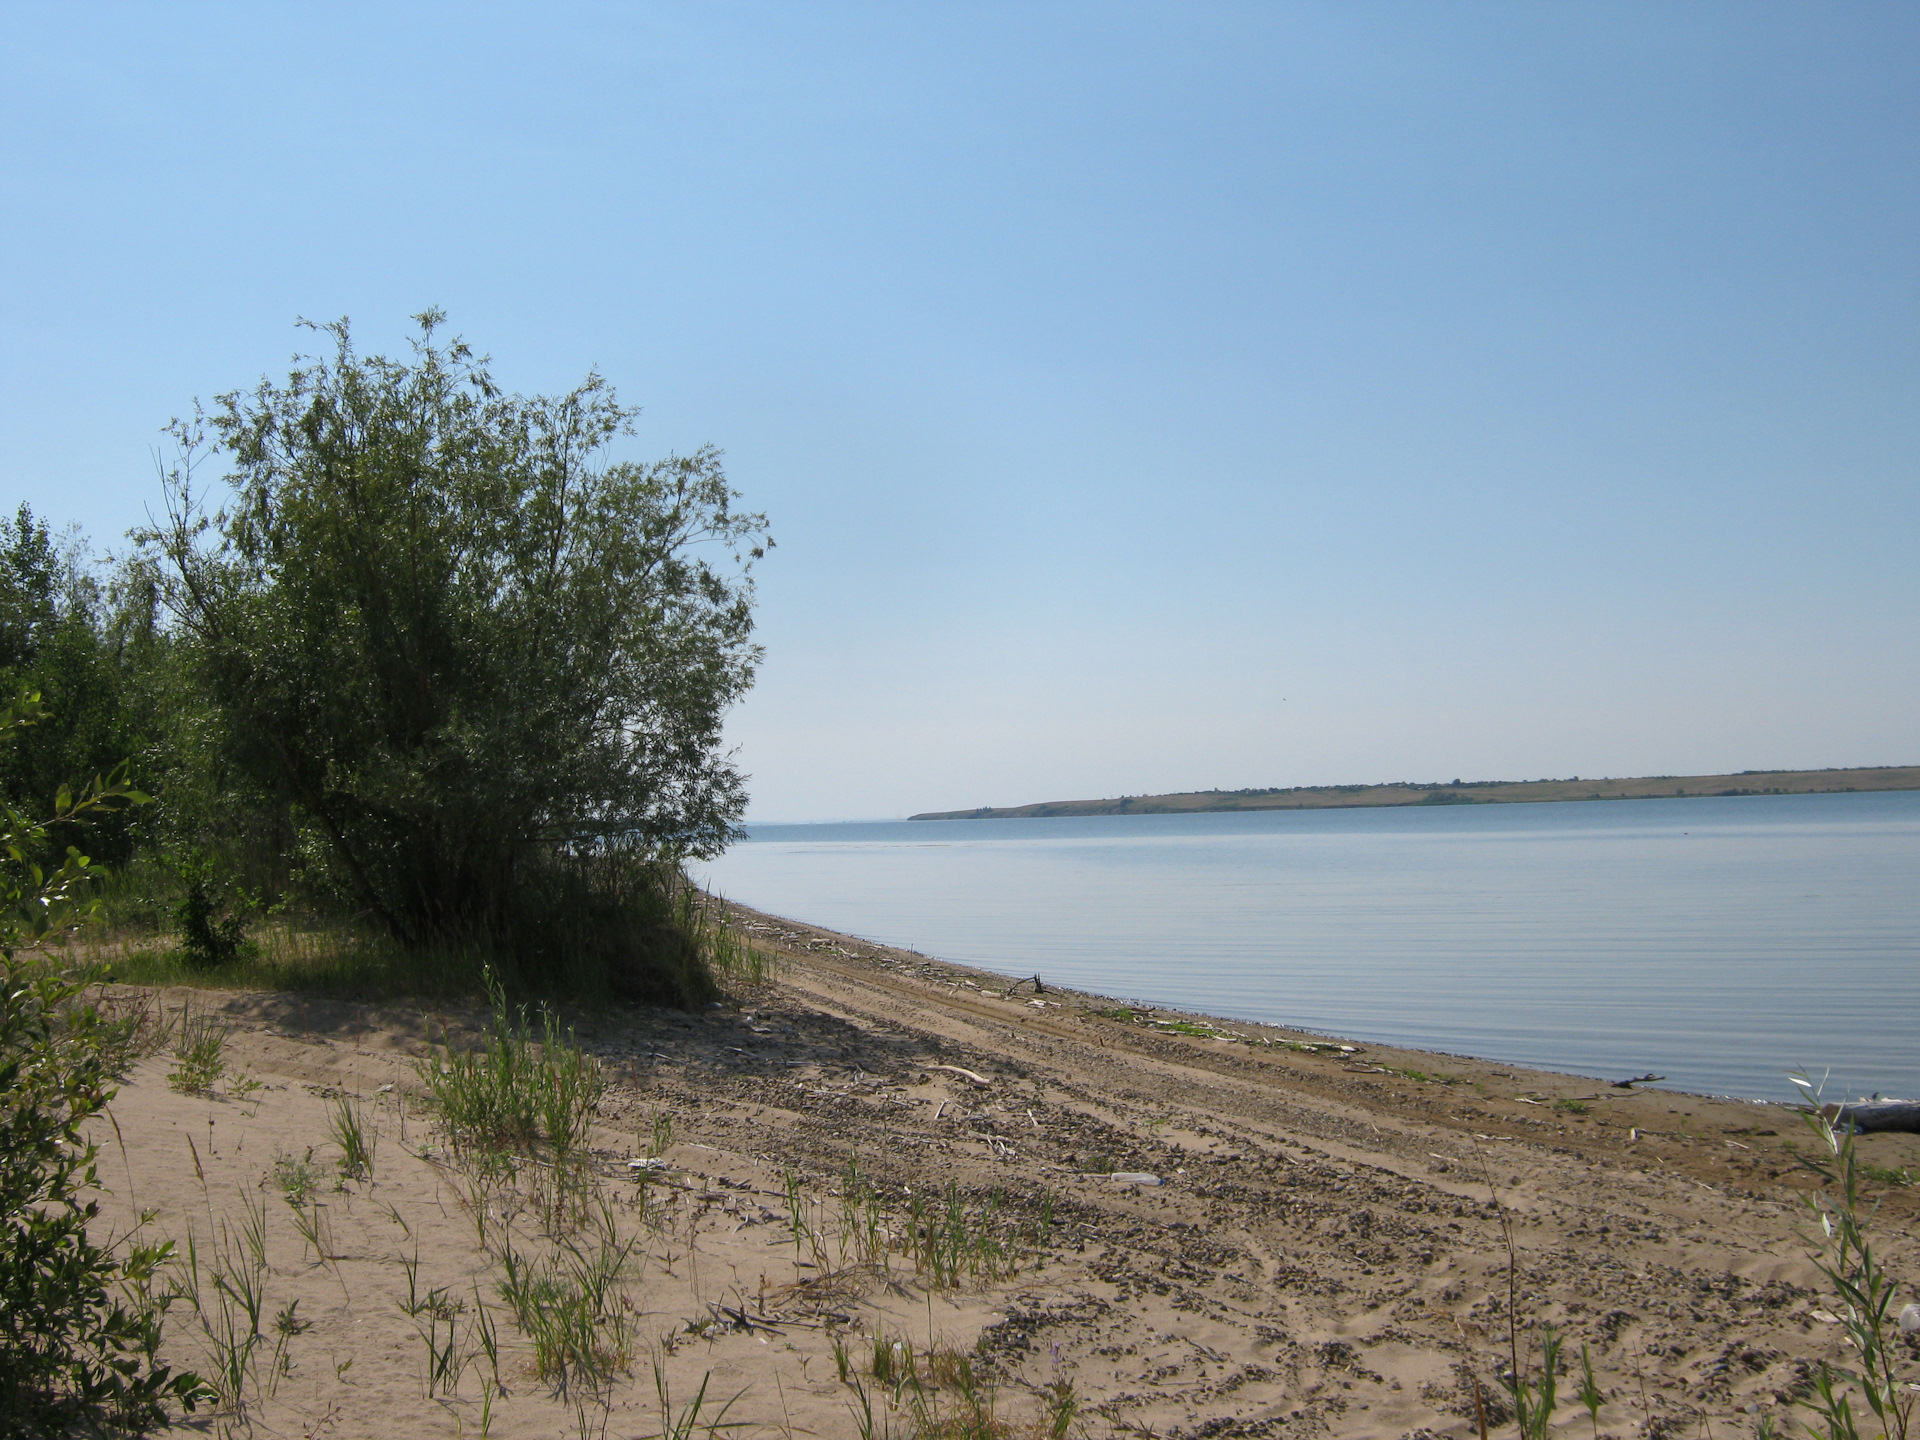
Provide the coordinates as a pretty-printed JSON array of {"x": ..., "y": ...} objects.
[{"x": 1719, "y": 942}]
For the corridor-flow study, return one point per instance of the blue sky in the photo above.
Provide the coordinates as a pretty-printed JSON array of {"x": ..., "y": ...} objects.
[{"x": 1144, "y": 397}]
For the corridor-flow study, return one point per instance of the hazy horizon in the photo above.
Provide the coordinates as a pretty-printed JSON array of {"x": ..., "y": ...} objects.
[
  {"x": 1463, "y": 781},
  {"x": 1145, "y": 399}
]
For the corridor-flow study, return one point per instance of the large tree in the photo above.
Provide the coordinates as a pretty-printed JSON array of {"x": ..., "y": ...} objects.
[{"x": 462, "y": 643}]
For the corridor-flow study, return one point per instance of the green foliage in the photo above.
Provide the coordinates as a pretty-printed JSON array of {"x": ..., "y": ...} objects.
[
  {"x": 59, "y": 640},
  {"x": 482, "y": 668},
  {"x": 79, "y": 1323}
]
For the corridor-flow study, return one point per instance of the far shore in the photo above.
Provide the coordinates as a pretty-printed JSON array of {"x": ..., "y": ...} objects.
[{"x": 1458, "y": 792}]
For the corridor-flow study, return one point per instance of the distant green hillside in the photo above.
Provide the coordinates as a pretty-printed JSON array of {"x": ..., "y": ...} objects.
[{"x": 1457, "y": 792}]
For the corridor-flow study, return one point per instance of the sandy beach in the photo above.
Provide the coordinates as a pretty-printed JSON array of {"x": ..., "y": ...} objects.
[{"x": 1193, "y": 1227}]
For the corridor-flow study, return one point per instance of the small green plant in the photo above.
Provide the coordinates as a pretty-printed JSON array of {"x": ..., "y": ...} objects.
[
  {"x": 662, "y": 1138},
  {"x": 1063, "y": 1408},
  {"x": 1571, "y": 1107},
  {"x": 198, "y": 1058},
  {"x": 1884, "y": 1175},
  {"x": 571, "y": 1309},
  {"x": 229, "y": 1300},
  {"x": 357, "y": 1138},
  {"x": 1534, "y": 1399},
  {"x": 296, "y": 1180},
  {"x": 316, "y": 1229},
  {"x": 842, "y": 1361},
  {"x": 803, "y": 1221},
  {"x": 943, "y": 1393},
  {"x": 685, "y": 1423},
  {"x": 436, "y": 1319},
  {"x": 286, "y": 1325},
  {"x": 1590, "y": 1394},
  {"x": 862, "y": 1237},
  {"x": 487, "y": 1334},
  {"x": 1185, "y": 1027}
]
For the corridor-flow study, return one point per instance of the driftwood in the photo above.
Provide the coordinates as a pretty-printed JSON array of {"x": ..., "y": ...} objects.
[
  {"x": 1647, "y": 1079},
  {"x": 979, "y": 1080},
  {"x": 1871, "y": 1115}
]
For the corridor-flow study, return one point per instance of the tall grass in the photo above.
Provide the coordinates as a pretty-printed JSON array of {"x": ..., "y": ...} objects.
[
  {"x": 515, "y": 1095},
  {"x": 630, "y": 931},
  {"x": 198, "y": 1058},
  {"x": 337, "y": 958},
  {"x": 729, "y": 955}
]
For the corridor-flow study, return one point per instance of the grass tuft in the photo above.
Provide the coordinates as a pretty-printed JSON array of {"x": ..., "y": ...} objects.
[
  {"x": 198, "y": 1061},
  {"x": 356, "y": 1136}
]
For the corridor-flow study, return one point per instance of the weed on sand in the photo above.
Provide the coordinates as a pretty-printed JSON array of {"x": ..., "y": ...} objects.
[{"x": 198, "y": 1053}]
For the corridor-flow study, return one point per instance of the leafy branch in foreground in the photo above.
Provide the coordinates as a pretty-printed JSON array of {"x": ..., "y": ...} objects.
[{"x": 79, "y": 1323}]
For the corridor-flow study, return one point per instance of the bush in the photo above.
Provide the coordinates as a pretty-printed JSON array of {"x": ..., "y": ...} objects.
[{"x": 212, "y": 916}]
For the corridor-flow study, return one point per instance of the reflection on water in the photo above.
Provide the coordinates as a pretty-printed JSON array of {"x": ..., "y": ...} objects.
[{"x": 1719, "y": 942}]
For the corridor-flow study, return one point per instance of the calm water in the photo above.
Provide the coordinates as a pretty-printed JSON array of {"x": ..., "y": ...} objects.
[{"x": 1719, "y": 942}]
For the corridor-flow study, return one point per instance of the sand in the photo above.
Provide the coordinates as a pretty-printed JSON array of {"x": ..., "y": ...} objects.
[{"x": 1321, "y": 1255}]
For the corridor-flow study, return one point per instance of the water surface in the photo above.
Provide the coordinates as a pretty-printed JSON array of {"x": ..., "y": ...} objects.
[{"x": 1717, "y": 941}]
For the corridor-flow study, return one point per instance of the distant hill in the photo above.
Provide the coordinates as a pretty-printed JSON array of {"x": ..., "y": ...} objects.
[{"x": 1457, "y": 792}]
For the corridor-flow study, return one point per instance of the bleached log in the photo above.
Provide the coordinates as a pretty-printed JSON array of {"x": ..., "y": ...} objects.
[{"x": 1872, "y": 1115}]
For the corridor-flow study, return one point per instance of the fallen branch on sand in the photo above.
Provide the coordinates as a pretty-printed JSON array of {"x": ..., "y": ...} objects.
[{"x": 979, "y": 1080}]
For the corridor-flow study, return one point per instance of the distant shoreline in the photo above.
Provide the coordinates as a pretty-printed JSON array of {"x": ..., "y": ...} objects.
[{"x": 1456, "y": 792}]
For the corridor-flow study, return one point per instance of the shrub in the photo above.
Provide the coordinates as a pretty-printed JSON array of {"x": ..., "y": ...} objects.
[{"x": 212, "y": 916}]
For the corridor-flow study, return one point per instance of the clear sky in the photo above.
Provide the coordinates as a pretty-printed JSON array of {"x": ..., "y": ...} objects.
[{"x": 1144, "y": 397}]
